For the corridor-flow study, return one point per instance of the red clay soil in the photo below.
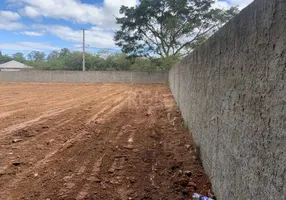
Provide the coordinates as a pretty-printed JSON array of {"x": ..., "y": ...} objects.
[{"x": 95, "y": 141}]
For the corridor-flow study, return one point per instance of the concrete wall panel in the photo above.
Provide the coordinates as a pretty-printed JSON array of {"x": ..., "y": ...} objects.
[
  {"x": 8, "y": 76},
  {"x": 141, "y": 77},
  {"x": 58, "y": 76},
  {"x": 89, "y": 77},
  {"x": 157, "y": 77},
  {"x": 232, "y": 94},
  {"x": 121, "y": 77},
  {"x": 42, "y": 76},
  {"x": 105, "y": 76}
]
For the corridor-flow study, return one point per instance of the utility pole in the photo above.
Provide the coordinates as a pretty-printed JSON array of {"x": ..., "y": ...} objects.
[{"x": 83, "y": 49}]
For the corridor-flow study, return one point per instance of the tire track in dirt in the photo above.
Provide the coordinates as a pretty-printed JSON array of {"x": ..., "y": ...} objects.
[
  {"x": 114, "y": 96},
  {"x": 9, "y": 185},
  {"x": 57, "y": 109},
  {"x": 108, "y": 109},
  {"x": 58, "y": 123},
  {"x": 7, "y": 114},
  {"x": 25, "y": 145},
  {"x": 39, "y": 96},
  {"x": 55, "y": 103},
  {"x": 124, "y": 143},
  {"x": 83, "y": 192},
  {"x": 16, "y": 127},
  {"x": 56, "y": 106},
  {"x": 66, "y": 121},
  {"x": 117, "y": 162},
  {"x": 93, "y": 170},
  {"x": 126, "y": 139},
  {"x": 44, "y": 100}
]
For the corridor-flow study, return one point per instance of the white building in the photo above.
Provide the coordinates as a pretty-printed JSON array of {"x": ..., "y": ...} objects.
[{"x": 14, "y": 66}]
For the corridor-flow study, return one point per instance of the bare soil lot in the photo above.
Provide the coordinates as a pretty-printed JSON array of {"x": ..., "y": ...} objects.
[{"x": 95, "y": 141}]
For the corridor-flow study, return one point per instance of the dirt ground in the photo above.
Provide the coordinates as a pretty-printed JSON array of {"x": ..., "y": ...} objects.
[{"x": 95, "y": 141}]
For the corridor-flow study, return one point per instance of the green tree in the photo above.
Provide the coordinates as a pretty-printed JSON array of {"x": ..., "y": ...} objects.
[
  {"x": 38, "y": 64},
  {"x": 104, "y": 53},
  {"x": 19, "y": 57},
  {"x": 64, "y": 52},
  {"x": 37, "y": 56},
  {"x": 54, "y": 55},
  {"x": 73, "y": 61},
  {"x": 95, "y": 62},
  {"x": 4, "y": 58},
  {"x": 117, "y": 62},
  {"x": 165, "y": 64},
  {"x": 143, "y": 64},
  {"x": 168, "y": 27}
]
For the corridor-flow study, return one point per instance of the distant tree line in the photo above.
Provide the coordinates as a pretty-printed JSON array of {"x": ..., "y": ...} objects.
[{"x": 104, "y": 60}]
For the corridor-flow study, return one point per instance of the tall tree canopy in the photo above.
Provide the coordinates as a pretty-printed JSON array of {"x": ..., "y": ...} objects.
[
  {"x": 37, "y": 55},
  {"x": 168, "y": 27},
  {"x": 18, "y": 57},
  {"x": 54, "y": 55},
  {"x": 4, "y": 58},
  {"x": 64, "y": 52}
]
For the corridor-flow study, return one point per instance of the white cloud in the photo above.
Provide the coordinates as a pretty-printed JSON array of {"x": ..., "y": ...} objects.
[
  {"x": 241, "y": 3},
  {"x": 74, "y": 10},
  {"x": 8, "y": 15},
  {"x": 9, "y": 26},
  {"x": 228, "y": 3},
  {"x": 30, "y": 12},
  {"x": 32, "y": 33},
  {"x": 8, "y": 20},
  {"x": 83, "y": 13},
  {"x": 95, "y": 37},
  {"x": 100, "y": 16},
  {"x": 27, "y": 46},
  {"x": 221, "y": 4}
]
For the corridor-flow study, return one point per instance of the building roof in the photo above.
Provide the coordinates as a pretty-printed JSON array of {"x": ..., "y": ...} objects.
[{"x": 14, "y": 65}]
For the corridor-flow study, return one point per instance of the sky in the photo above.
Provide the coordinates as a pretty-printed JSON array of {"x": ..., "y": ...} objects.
[{"x": 46, "y": 25}]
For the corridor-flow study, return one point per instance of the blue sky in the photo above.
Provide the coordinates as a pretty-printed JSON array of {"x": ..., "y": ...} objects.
[{"x": 46, "y": 25}]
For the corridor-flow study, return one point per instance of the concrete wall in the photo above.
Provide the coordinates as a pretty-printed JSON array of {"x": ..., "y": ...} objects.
[
  {"x": 89, "y": 77},
  {"x": 232, "y": 93}
]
